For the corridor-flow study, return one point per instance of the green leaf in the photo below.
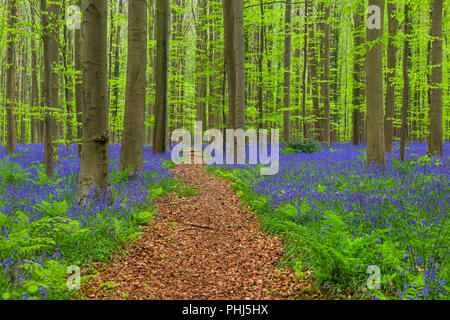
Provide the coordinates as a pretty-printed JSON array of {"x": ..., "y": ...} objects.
[
  {"x": 144, "y": 217},
  {"x": 32, "y": 289}
]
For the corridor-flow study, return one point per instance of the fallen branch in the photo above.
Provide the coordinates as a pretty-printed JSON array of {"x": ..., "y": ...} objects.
[{"x": 194, "y": 225}]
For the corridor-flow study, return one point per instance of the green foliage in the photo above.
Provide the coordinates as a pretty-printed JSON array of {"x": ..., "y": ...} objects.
[
  {"x": 118, "y": 177},
  {"x": 168, "y": 164},
  {"x": 187, "y": 191},
  {"x": 303, "y": 146},
  {"x": 64, "y": 238},
  {"x": 144, "y": 217},
  {"x": 319, "y": 240}
]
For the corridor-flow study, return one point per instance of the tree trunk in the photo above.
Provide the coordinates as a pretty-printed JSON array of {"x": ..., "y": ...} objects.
[
  {"x": 202, "y": 34},
  {"x": 405, "y": 103},
  {"x": 11, "y": 76},
  {"x": 67, "y": 59},
  {"x": 79, "y": 85},
  {"x": 151, "y": 60},
  {"x": 94, "y": 158},
  {"x": 23, "y": 81},
  {"x": 305, "y": 65},
  {"x": 326, "y": 83},
  {"x": 131, "y": 154},
  {"x": 313, "y": 76},
  {"x": 50, "y": 59},
  {"x": 262, "y": 29},
  {"x": 239, "y": 55},
  {"x": 374, "y": 85},
  {"x": 115, "y": 87},
  {"x": 34, "y": 86},
  {"x": 228, "y": 20},
  {"x": 214, "y": 108},
  {"x": 390, "y": 90},
  {"x": 161, "y": 68},
  {"x": 287, "y": 75},
  {"x": 358, "y": 66},
  {"x": 435, "y": 140}
]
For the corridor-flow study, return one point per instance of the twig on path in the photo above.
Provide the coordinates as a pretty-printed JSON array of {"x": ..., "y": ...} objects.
[{"x": 194, "y": 225}]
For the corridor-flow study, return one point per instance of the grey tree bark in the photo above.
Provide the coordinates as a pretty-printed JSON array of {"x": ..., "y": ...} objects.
[
  {"x": 50, "y": 15},
  {"x": 287, "y": 74},
  {"x": 202, "y": 38},
  {"x": 390, "y": 90},
  {"x": 11, "y": 77},
  {"x": 435, "y": 140},
  {"x": 358, "y": 67},
  {"x": 228, "y": 21},
  {"x": 326, "y": 78},
  {"x": 405, "y": 102},
  {"x": 79, "y": 85},
  {"x": 160, "y": 138},
  {"x": 239, "y": 56},
  {"x": 374, "y": 88},
  {"x": 131, "y": 154},
  {"x": 94, "y": 157}
]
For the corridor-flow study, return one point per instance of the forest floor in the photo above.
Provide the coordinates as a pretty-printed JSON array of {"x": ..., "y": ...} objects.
[{"x": 202, "y": 246}]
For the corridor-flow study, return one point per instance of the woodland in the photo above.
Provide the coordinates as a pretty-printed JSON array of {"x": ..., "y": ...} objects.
[{"x": 93, "y": 205}]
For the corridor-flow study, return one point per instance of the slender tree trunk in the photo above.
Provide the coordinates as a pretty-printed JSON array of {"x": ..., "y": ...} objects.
[
  {"x": 305, "y": 65},
  {"x": 23, "y": 81},
  {"x": 239, "y": 55},
  {"x": 228, "y": 20},
  {"x": 262, "y": 29},
  {"x": 287, "y": 74},
  {"x": 374, "y": 85},
  {"x": 313, "y": 75},
  {"x": 67, "y": 60},
  {"x": 326, "y": 84},
  {"x": 358, "y": 66},
  {"x": 436, "y": 139},
  {"x": 50, "y": 59},
  {"x": 405, "y": 103},
  {"x": 11, "y": 75},
  {"x": 214, "y": 109},
  {"x": 115, "y": 87},
  {"x": 390, "y": 90},
  {"x": 161, "y": 69},
  {"x": 131, "y": 154},
  {"x": 151, "y": 60},
  {"x": 202, "y": 34},
  {"x": 34, "y": 86},
  {"x": 94, "y": 158},
  {"x": 79, "y": 85}
]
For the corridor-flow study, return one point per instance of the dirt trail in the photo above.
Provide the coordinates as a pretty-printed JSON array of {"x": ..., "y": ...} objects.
[{"x": 206, "y": 246}]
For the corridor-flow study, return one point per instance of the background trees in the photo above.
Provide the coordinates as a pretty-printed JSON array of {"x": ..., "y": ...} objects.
[{"x": 296, "y": 66}]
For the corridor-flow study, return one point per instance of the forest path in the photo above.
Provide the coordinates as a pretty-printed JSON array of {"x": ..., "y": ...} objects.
[{"x": 206, "y": 246}]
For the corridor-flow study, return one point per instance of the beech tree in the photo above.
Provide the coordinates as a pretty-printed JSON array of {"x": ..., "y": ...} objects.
[
  {"x": 131, "y": 154},
  {"x": 405, "y": 102},
  {"x": 374, "y": 83},
  {"x": 160, "y": 139},
  {"x": 435, "y": 141},
  {"x": 390, "y": 77},
  {"x": 50, "y": 16},
  {"x": 11, "y": 75},
  {"x": 94, "y": 157},
  {"x": 287, "y": 75},
  {"x": 358, "y": 68}
]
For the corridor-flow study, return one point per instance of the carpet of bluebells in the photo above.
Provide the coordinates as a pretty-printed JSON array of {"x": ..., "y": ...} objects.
[
  {"x": 44, "y": 230},
  {"x": 364, "y": 232}
]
